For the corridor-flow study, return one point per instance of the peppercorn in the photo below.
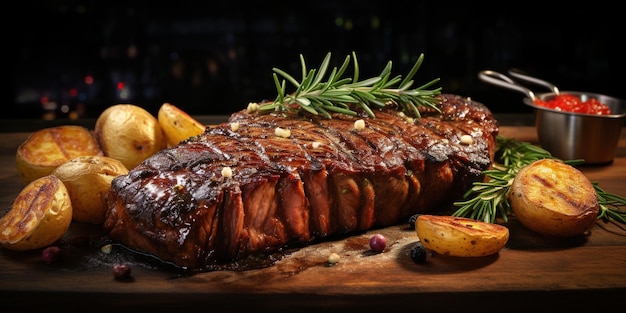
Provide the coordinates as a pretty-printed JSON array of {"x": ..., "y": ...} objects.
[
  {"x": 412, "y": 220},
  {"x": 418, "y": 253},
  {"x": 378, "y": 243},
  {"x": 121, "y": 271},
  {"x": 51, "y": 254}
]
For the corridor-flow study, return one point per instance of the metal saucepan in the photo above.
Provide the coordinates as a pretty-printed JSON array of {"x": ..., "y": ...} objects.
[{"x": 569, "y": 135}]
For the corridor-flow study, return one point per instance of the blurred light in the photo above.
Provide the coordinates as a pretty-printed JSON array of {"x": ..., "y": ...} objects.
[
  {"x": 65, "y": 108},
  {"x": 124, "y": 93},
  {"x": 232, "y": 54},
  {"x": 26, "y": 95},
  {"x": 80, "y": 109},
  {"x": 120, "y": 85},
  {"x": 88, "y": 79},
  {"x": 131, "y": 52},
  {"x": 48, "y": 116},
  {"x": 44, "y": 100},
  {"x": 348, "y": 25},
  {"x": 49, "y": 106},
  {"x": 375, "y": 22},
  {"x": 73, "y": 92},
  {"x": 338, "y": 21}
]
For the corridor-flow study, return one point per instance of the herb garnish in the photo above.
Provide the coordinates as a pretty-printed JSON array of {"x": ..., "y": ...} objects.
[
  {"x": 610, "y": 205},
  {"x": 488, "y": 199},
  {"x": 318, "y": 94}
]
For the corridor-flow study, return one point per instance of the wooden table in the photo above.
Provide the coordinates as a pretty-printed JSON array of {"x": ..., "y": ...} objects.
[{"x": 530, "y": 273}]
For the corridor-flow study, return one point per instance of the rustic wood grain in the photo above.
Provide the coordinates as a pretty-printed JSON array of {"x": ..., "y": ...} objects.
[{"x": 531, "y": 273}]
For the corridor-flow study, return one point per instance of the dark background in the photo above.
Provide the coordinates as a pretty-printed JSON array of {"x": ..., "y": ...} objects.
[{"x": 214, "y": 57}]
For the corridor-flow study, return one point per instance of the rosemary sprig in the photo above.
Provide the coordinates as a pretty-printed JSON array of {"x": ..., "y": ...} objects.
[
  {"x": 318, "y": 94},
  {"x": 612, "y": 206},
  {"x": 488, "y": 199}
]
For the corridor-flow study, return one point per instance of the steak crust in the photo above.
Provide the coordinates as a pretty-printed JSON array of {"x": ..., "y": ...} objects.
[{"x": 327, "y": 178}]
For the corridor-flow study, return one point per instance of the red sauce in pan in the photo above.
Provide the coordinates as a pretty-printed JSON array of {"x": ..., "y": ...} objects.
[{"x": 571, "y": 103}]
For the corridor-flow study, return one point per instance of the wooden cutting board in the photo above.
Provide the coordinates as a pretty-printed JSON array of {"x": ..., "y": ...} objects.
[{"x": 532, "y": 272}]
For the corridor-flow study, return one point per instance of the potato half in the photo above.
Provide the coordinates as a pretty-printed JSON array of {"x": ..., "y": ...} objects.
[
  {"x": 48, "y": 148},
  {"x": 459, "y": 236},
  {"x": 40, "y": 215},
  {"x": 88, "y": 180},
  {"x": 177, "y": 125},
  {"x": 129, "y": 133},
  {"x": 554, "y": 199}
]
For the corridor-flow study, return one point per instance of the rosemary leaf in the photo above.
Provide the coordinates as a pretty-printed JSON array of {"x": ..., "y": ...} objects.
[
  {"x": 408, "y": 79},
  {"x": 286, "y": 76},
  {"x": 612, "y": 206},
  {"x": 307, "y": 107},
  {"x": 322, "y": 70},
  {"x": 324, "y": 112},
  {"x": 339, "y": 110},
  {"x": 364, "y": 83}
]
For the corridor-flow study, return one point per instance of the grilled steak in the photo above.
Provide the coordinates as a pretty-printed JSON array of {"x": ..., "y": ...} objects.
[{"x": 232, "y": 193}]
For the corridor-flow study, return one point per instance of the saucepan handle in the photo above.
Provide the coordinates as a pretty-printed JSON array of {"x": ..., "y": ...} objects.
[
  {"x": 523, "y": 76},
  {"x": 502, "y": 80}
]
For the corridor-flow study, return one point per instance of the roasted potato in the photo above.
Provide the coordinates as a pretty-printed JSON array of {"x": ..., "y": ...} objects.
[
  {"x": 88, "y": 180},
  {"x": 129, "y": 133},
  {"x": 40, "y": 215},
  {"x": 554, "y": 199},
  {"x": 459, "y": 236},
  {"x": 48, "y": 148},
  {"x": 177, "y": 125}
]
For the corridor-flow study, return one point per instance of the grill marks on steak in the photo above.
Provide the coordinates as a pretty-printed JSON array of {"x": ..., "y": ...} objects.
[{"x": 177, "y": 205}]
